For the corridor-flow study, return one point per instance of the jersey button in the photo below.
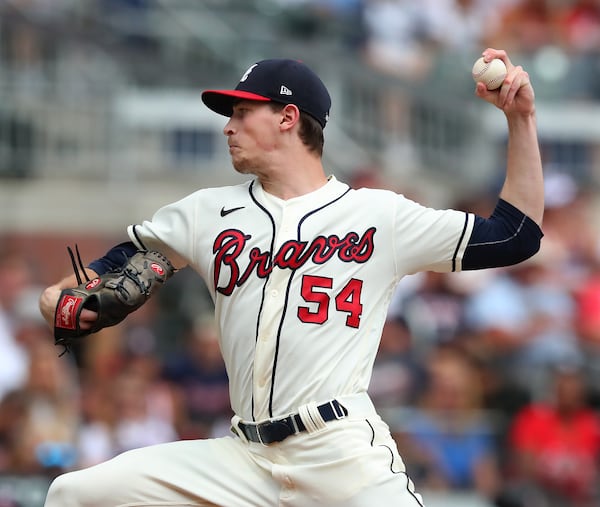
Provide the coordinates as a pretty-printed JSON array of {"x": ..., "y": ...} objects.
[{"x": 274, "y": 293}]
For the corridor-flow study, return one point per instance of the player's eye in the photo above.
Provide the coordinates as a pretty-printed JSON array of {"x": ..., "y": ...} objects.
[{"x": 240, "y": 112}]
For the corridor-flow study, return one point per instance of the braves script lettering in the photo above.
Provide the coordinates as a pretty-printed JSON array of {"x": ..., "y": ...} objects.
[{"x": 293, "y": 254}]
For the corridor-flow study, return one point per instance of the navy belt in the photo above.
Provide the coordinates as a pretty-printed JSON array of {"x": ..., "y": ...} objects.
[{"x": 275, "y": 431}]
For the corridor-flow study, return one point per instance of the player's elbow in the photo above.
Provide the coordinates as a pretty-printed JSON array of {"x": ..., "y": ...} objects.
[
  {"x": 520, "y": 251},
  {"x": 505, "y": 239}
]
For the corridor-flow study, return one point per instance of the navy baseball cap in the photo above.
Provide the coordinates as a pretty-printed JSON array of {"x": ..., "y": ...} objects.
[{"x": 277, "y": 80}]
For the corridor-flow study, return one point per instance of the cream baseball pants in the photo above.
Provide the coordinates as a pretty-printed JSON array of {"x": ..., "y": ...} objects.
[{"x": 349, "y": 462}]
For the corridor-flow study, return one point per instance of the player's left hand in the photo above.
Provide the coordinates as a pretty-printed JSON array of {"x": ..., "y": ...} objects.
[{"x": 516, "y": 95}]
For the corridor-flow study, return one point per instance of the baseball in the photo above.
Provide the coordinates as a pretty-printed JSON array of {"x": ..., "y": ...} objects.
[{"x": 491, "y": 73}]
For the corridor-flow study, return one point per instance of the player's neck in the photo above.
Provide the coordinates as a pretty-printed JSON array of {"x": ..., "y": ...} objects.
[{"x": 294, "y": 179}]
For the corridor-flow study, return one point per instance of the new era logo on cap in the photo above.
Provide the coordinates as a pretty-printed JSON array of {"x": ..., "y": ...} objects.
[{"x": 278, "y": 80}]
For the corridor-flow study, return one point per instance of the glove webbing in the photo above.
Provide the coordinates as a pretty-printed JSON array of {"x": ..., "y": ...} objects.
[{"x": 65, "y": 344}]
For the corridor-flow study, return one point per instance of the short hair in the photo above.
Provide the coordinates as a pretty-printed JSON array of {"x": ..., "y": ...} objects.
[{"x": 311, "y": 132}]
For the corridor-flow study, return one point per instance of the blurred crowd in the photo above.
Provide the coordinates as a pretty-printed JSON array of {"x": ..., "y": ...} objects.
[
  {"x": 107, "y": 42},
  {"x": 489, "y": 380},
  {"x": 419, "y": 41}
]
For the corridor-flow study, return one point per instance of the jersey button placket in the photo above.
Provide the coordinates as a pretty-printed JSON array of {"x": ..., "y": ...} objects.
[{"x": 264, "y": 355}]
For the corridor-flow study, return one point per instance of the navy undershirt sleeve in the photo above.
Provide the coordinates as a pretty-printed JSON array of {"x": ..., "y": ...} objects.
[
  {"x": 506, "y": 238},
  {"x": 114, "y": 258}
]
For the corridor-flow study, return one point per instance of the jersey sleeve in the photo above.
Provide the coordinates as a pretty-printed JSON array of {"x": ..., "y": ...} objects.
[
  {"x": 171, "y": 231},
  {"x": 429, "y": 239}
]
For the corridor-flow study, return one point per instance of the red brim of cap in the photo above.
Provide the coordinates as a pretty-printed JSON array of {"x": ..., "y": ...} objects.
[{"x": 221, "y": 101}]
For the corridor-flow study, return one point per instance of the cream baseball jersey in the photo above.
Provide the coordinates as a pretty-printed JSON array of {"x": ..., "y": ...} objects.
[{"x": 301, "y": 287}]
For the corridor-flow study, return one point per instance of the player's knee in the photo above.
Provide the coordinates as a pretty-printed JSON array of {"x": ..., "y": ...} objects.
[{"x": 62, "y": 491}]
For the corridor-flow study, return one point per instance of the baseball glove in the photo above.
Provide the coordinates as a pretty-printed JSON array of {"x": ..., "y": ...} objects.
[{"x": 113, "y": 295}]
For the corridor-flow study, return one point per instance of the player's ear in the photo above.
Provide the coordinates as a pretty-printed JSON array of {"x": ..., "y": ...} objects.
[{"x": 290, "y": 115}]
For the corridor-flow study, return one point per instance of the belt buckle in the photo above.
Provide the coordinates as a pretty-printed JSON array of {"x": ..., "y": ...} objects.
[{"x": 278, "y": 431}]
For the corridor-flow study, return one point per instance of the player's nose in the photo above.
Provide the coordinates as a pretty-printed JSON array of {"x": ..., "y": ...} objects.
[{"x": 228, "y": 128}]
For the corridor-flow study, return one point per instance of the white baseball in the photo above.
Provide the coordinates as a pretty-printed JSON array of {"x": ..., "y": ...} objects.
[{"x": 491, "y": 73}]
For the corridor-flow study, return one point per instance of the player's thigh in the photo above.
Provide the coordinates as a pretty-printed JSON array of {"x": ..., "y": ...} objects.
[
  {"x": 354, "y": 465},
  {"x": 186, "y": 473}
]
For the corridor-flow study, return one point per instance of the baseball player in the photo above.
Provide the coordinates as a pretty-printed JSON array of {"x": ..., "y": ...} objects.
[{"x": 301, "y": 269}]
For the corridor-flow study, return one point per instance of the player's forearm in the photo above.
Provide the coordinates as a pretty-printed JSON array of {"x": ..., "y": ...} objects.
[{"x": 524, "y": 184}]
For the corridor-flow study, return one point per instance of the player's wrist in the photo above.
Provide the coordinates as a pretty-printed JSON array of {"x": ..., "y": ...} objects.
[
  {"x": 522, "y": 118},
  {"x": 47, "y": 303}
]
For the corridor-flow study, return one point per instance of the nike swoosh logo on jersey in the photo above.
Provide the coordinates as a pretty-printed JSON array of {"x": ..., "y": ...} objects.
[{"x": 225, "y": 212}]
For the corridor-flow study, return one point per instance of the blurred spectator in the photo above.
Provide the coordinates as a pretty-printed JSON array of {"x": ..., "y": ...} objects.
[
  {"x": 15, "y": 278},
  {"x": 40, "y": 419},
  {"x": 579, "y": 25},
  {"x": 570, "y": 232},
  {"x": 526, "y": 26},
  {"x": 125, "y": 402},
  {"x": 13, "y": 412},
  {"x": 555, "y": 446},
  {"x": 138, "y": 423},
  {"x": 396, "y": 38},
  {"x": 448, "y": 442},
  {"x": 335, "y": 19},
  {"x": 31, "y": 32},
  {"x": 587, "y": 299},
  {"x": 434, "y": 312},
  {"x": 523, "y": 321},
  {"x": 471, "y": 22},
  {"x": 122, "y": 418},
  {"x": 198, "y": 370},
  {"x": 98, "y": 414},
  {"x": 396, "y": 372}
]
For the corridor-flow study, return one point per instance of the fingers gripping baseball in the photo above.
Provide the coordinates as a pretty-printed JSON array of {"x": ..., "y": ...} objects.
[
  {"x": 515, "y": 94},
  {"x": 106, "y": 300}
]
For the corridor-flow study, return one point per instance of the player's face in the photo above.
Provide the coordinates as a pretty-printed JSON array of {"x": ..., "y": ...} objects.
[{"x": 252, "y": 135}]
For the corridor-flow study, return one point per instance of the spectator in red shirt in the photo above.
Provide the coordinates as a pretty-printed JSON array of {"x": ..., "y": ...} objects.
[
  {"x": 555, "y": 445},
  {"x": 580, "y": 26}
]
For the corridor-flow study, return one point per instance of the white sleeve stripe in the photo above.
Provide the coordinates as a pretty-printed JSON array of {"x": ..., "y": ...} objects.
[
  {"x": 461, "y": 246},
  {"x": 133, "y": 235}
]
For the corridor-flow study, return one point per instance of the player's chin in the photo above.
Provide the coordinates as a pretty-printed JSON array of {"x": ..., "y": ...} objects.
[{"x": 240, "y": 165}]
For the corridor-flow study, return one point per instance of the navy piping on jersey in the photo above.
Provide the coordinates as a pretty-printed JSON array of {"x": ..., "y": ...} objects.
[
  {"x": 299, "y": 238},
  {"x": 262, "y": 300},
  {"x": 278, "y": 342},
  {"x": 278, "y": 339}
]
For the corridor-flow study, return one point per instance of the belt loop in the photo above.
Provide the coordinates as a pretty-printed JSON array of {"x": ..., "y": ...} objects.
[
  {"x": 337, "y": 406},
  {"x": 235, "y": 427},
  {"x": 294, "y": 424},
  {"x": 259, "y": 435},
  {"x": 311, "y": 417}
]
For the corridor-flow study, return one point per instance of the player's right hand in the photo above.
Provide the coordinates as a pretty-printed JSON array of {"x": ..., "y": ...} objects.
[
  {"x": 87, "y": 318},
  {"x": 48, "y": 301},
  {"x": 516, "y": 95}
]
